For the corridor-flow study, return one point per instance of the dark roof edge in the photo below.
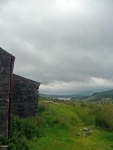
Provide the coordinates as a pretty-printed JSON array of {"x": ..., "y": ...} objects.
[
  {"x": 7, "y": 52},
  {"x": 26, "y": 78}
]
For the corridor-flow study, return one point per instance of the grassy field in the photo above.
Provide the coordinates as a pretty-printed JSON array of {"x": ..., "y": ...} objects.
[{"x": 64, "y": 126}]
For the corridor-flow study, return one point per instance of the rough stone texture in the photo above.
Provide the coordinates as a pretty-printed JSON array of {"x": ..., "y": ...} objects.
[
  {"x": 5, "y": 62},
  {"x": 4, "y": 147},
  {"x": 25, "y": 96}
]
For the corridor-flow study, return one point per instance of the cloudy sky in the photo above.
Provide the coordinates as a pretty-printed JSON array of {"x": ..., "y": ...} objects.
[{"x": 66, "y": 45}]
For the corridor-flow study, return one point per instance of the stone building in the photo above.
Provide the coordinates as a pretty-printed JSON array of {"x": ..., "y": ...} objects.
[
  {"x": 6, "y": 73},
  {"x": 18, "y": 95},
  {"x": 24, "y": 96}
]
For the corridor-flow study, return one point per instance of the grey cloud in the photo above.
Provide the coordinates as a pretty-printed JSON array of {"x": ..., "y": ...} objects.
[{"x": 55, "y": 44}]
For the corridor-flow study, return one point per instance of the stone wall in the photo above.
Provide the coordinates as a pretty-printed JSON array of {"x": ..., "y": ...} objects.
[
  {"x": 5, "y": 68},
  {"x": 21, "y": 99},
  {"x": 25, "y": 96}
]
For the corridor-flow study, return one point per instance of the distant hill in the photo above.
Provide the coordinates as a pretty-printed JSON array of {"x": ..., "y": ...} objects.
[
  {"x": 104, "y": 94},
  {"x": 57, "y": 96},
  {"x": 103, "y": 97},
  {"x": 80, "y": 94}
]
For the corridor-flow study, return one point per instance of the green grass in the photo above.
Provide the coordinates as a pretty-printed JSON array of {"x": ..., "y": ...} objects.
[
  {"x": 58, "y": 125},
  {"x": 63, "y": 122}
]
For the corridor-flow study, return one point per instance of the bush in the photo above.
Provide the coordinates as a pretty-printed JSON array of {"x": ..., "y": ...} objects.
[
  {"x": 3, "y": 140},
  {"x": 18, "y": 144},
  {"x": 14, "y": 143},
  {"x": 24, "y": 128}
]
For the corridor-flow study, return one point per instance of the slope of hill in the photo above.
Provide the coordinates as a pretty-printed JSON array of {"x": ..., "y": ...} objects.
[
  {"x": 104, "y": 94},
  {"x": 79, "y": 94},
  {"x": 105, "y": 97}
]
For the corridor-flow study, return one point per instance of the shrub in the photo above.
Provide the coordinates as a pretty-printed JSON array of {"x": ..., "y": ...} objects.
[
  {"x": 3, "y": 140},
  {"x": 24, "y": 128},
  {"x": 18, "y": 144},
  {"x": 14, "y": 143}
]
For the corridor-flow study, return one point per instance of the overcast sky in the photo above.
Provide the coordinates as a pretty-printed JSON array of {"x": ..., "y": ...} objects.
[{"x": 66, "y": 45}]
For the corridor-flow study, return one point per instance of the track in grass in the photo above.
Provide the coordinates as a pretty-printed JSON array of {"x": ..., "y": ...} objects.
[{"x": 64, "y": 130}]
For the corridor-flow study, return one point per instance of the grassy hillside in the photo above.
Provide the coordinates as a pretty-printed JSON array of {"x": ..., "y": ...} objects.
[
  {"x": 105, "y": 97},
  {"x": 64, "y": 126},
  {"x": 104, "y": 94},
  {"x": 79, "y": 94},
  {"x": 93, "y": 99}
]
